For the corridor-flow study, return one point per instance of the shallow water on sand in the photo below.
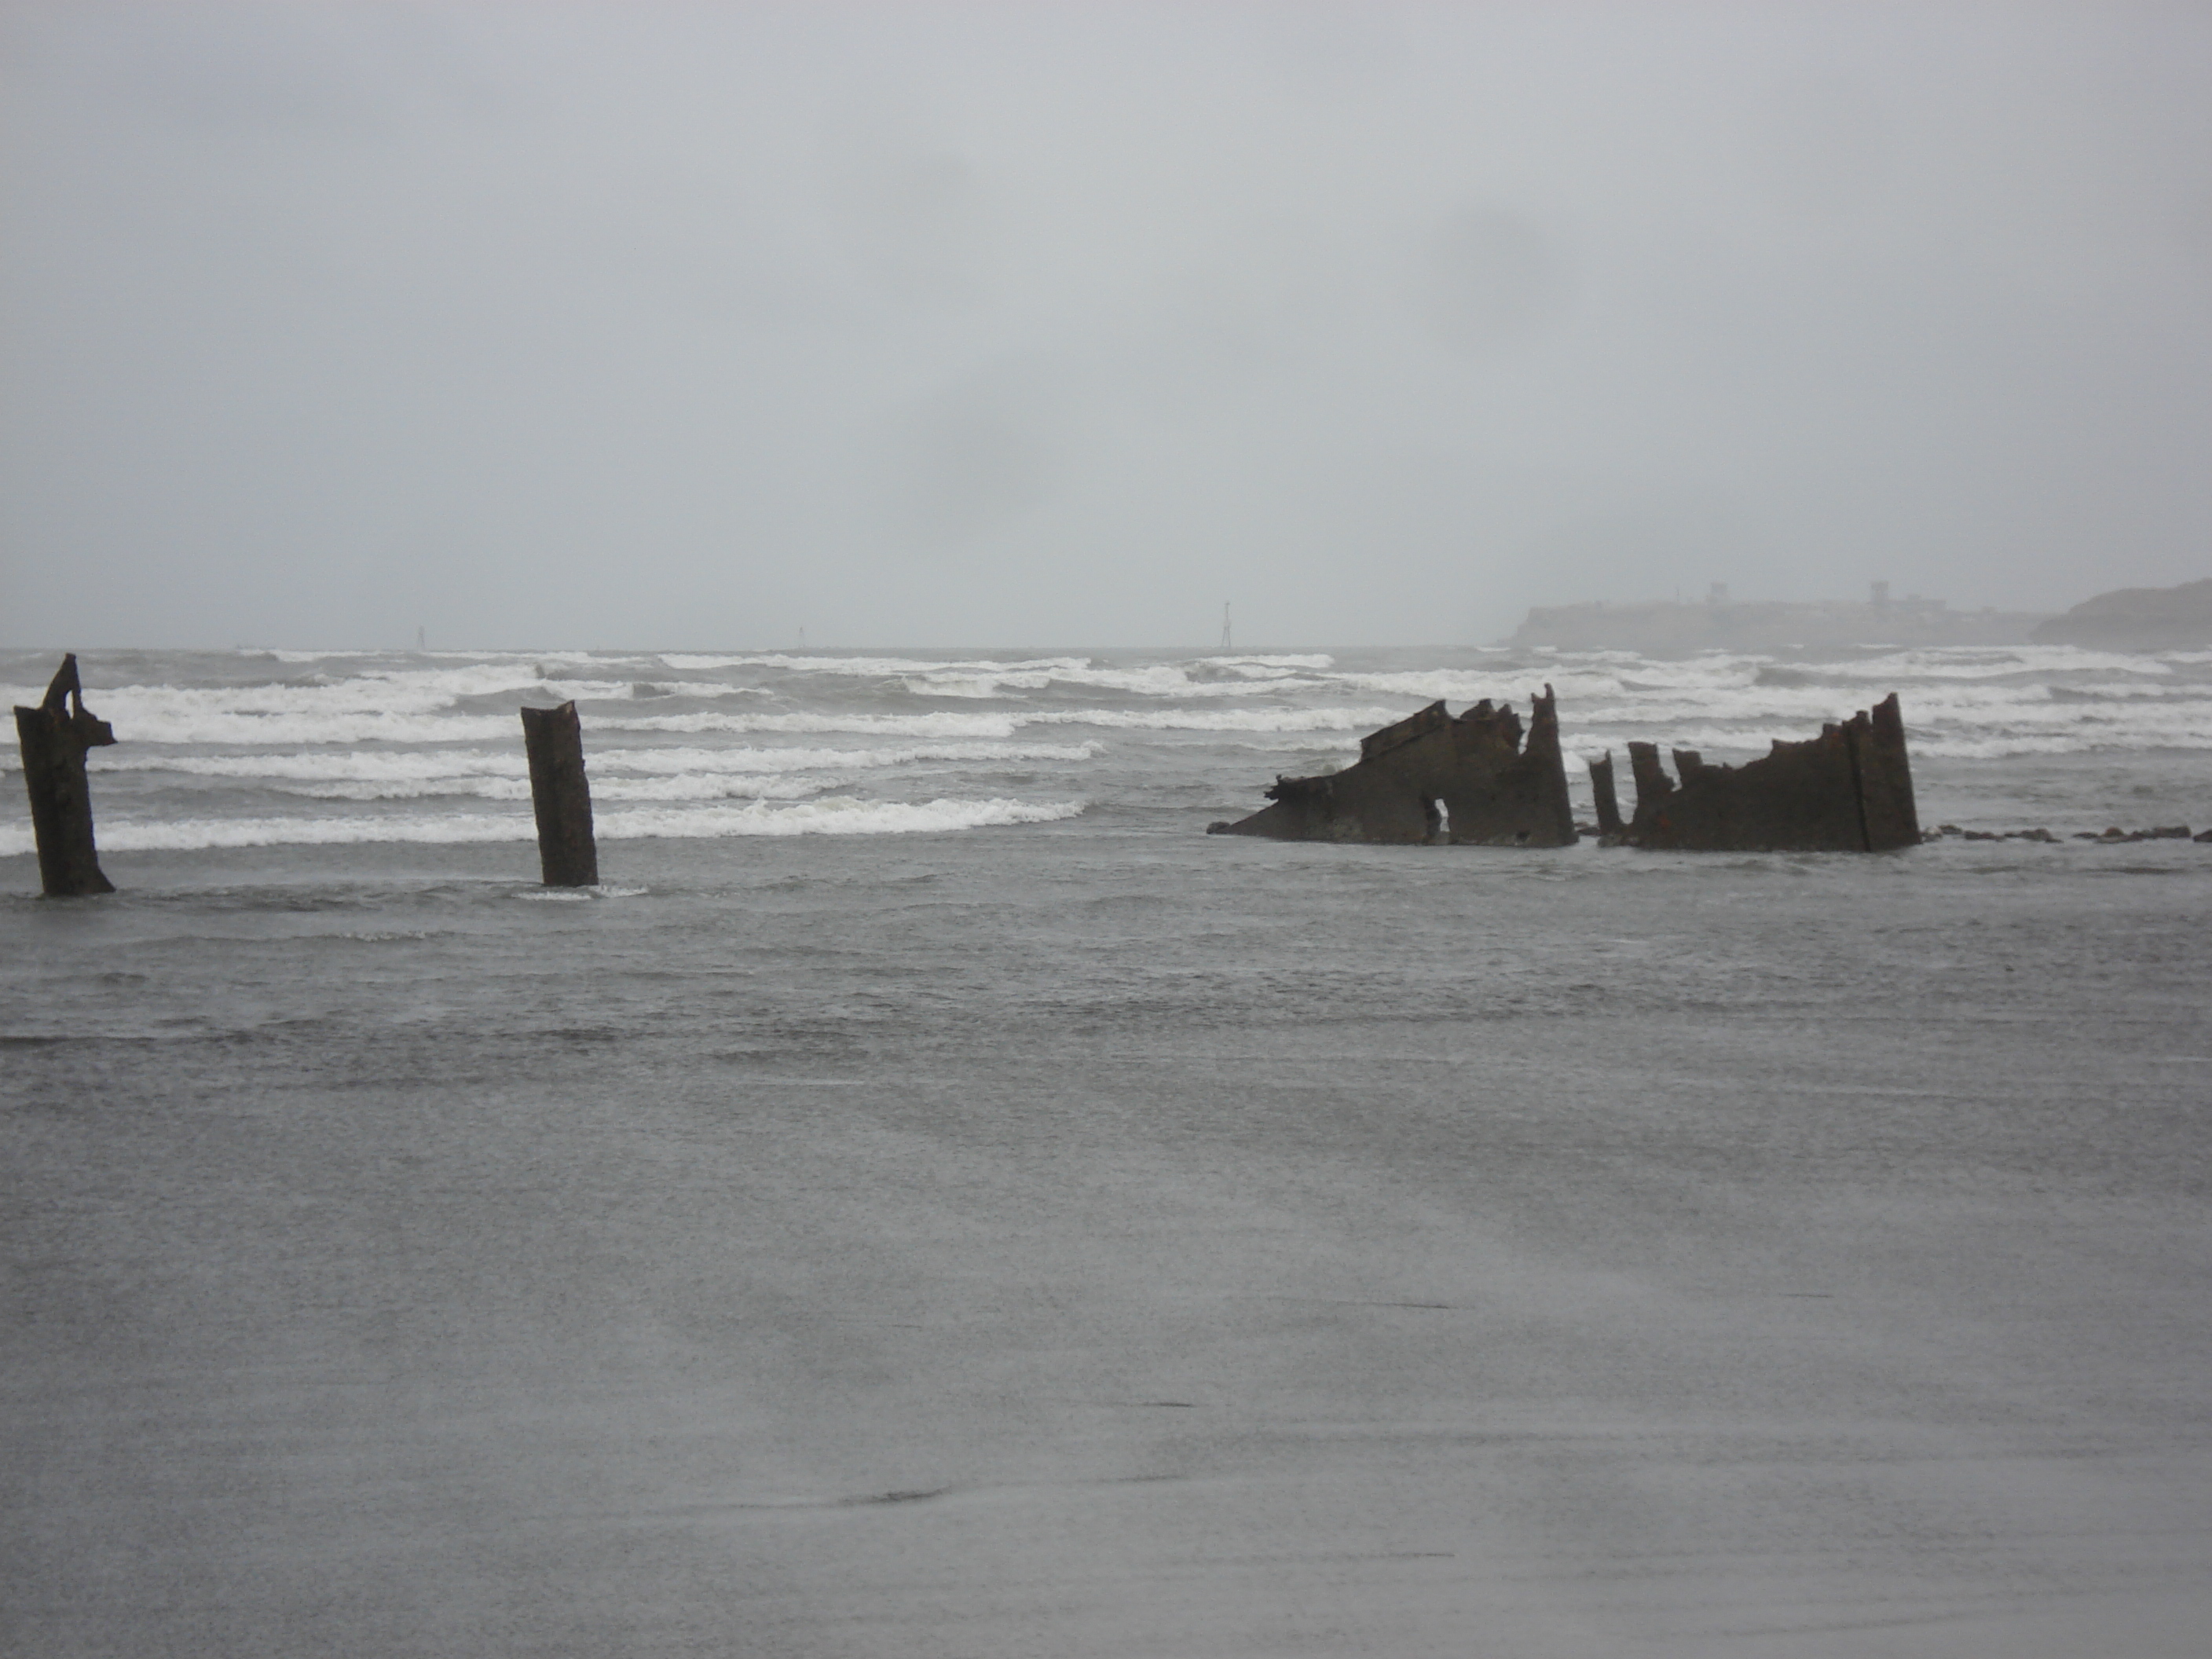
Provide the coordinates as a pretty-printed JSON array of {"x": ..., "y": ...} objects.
[{"x": 1083, "y": 1237}]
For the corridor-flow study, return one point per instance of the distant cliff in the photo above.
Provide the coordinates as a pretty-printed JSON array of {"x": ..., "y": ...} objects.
[
  {"x": 1668, "y": 629},
  {"x": 2136, "y": 619}
]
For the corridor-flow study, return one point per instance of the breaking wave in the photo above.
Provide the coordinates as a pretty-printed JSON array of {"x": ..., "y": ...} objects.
[
  {"x": 413, "y": 766},
  {"x": 1224, "y": 720},
  {"x": 268, "y": 748},
  {"x": 1972, "y": 700}
]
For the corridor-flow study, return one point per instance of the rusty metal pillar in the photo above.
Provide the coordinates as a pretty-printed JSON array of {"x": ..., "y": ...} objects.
[
  {"x": 568, "y": 855},
  {"x": 1609, "y": 804},
  {"x": 54, "y": 737}
]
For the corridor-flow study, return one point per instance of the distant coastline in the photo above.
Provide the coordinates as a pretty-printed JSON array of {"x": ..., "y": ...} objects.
[
  {"x": 1671, "y": 628},
  {"x": 2136, "y": 619}
]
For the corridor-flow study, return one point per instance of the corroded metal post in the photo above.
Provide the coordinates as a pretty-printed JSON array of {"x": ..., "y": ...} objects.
[
  {"x": 1884, "y": 777},
  {"x": 54, "y": 737},
  {"x": 562, "y": 796},
  {"x": 1601, "y": 792}
]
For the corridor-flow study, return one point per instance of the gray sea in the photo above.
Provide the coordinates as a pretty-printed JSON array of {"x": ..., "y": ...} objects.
[{"x": 933, "y": 1200}]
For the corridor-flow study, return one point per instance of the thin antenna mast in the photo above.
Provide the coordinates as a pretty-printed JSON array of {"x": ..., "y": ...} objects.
[{"x": 1225, "y": 645}]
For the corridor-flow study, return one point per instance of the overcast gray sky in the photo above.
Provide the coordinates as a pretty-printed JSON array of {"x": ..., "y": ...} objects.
[{"x": 1061, "y": 323}]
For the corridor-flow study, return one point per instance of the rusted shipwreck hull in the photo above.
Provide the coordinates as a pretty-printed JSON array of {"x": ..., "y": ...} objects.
[
  {"x": 1473, "y": 782},
  {"x": 1849, "y": 790},
  {"x": 1469, "y": 780}
]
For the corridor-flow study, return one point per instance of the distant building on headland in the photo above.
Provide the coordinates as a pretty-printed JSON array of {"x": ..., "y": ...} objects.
[
  {"x": 1670, "y": 628},
  {"x": 2136, "y": 619}
]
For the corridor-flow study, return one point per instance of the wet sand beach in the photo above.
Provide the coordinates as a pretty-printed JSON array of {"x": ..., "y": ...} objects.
[{"x": 1053, "y": 1240}]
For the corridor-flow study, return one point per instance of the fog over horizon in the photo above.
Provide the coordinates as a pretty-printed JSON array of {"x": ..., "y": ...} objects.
[{"x": 671, "y": 325}]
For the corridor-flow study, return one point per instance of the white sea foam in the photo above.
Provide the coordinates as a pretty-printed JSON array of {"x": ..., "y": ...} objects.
[
  {"x": 2030, "y": 717},
  {"x": 887, "y": 726},
  {"x": 398, "y": 706},
  {"x": 581, "y": 895},
  {"x": 986, "y": 678},
  {"x": 643, "y": 690},
  {"x": 1316, "y": 660},
  {"x": 1987, "y": 694},
  {"x": 1955, "y": 662},
  {"x": 1155, "y": 680},
  {"x": 838, "y": 814},
  {"x": 230, "y": 728},
  {"x": 876, "y": 668},
  {"x": 2003, "y": 745},
  {"x": 713, "y": 786},
  {"x": 1950, "y": 742},
  {"x": 757, "y": 759},
  {"x": 1010, "y": 685},
  {"x": 1220, "y": 720},
  {"x": 365, "y": 765},
  {"x": 1455, "y": 685},
  {"x": 994, "y": 677},
  {"x": 401, "y": 768},
  {"x": 888, "y": 666}
]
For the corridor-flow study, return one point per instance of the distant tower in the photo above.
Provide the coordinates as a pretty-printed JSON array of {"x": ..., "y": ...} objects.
[
  {"x": 1225, "y": 645},
  {"x": 418, "y": 639}
]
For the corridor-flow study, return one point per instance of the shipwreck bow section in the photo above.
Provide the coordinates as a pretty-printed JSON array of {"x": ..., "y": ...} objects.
[
  {"x": 1849, "y": 790},
  {"x": 1468, "y": 781}
]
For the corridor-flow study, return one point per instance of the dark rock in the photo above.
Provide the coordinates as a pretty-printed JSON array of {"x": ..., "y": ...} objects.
[
  {"x": 561, "y": 795},
  {"x": 1849, "y": 790},
  {"x": 1983, "y": 835},
  {"x": 2170, "y": 832},
  {"x": 53, "y": 737},
  {"x": 1432, "y": 778}
]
